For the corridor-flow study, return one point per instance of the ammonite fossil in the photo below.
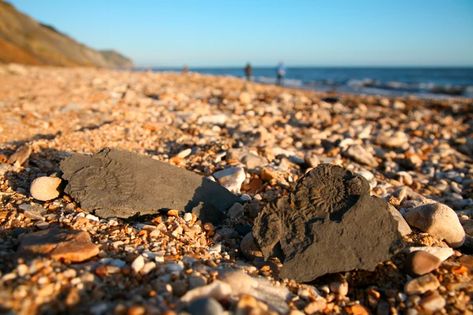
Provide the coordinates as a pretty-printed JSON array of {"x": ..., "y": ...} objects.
[
  {"x": 327, "y": 190},
  {"x": 104, "y": 182},
  {"x": 115, "y": 183},
  {"x": 328, "y": 223}
]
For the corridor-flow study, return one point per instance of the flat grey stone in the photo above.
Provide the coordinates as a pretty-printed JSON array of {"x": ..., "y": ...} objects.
[
  {"x": 329, "y": 223},
  {"x": 115, "y": 183}
]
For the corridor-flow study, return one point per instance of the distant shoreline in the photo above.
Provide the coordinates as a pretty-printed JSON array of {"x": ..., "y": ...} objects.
[{"x": 421, "y": 82}]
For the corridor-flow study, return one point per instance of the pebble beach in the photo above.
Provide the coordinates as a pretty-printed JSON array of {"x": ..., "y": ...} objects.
[{"x": 256, "y": 140}]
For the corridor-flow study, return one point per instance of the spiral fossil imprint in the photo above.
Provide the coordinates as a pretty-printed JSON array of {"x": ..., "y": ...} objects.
[
  {"x": 312, "y": 230},
  {"x": 115, "y": 183},
  {"x": 108, "y": 182}
]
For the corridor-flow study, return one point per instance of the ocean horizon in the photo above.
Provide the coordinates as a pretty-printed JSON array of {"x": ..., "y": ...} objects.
[{"x": 425, "y": 81}]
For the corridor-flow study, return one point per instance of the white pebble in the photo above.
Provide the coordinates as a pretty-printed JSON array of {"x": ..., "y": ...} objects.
[
  {"x": 188, "y": 217},
  {"x": 44, "y": 188},
  {"x": 138, "y": 264}
]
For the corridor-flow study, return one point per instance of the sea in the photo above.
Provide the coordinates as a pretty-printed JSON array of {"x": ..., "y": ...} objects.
[{"x": 400, "y": 81}]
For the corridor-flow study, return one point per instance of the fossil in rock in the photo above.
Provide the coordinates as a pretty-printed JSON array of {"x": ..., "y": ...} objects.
[
  {"x": 328, "y": 223},
  {"x": 115, "y": 183}
]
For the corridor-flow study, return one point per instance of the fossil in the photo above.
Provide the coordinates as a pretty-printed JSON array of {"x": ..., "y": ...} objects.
[
  {"x": 115, "y": 183},
  {"x": 328, "y": 223}
]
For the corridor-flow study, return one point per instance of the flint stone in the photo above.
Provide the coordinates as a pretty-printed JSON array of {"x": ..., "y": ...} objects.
[
  {"x": 71, "y": 245},
  {"x": 361, "y": 155},
  {"x": 420, "y": 263},
  {"x": 115, "y": 183},
  {"x": 21, "y": 155},
  {"x": 438, "y": 220},
  {"x": 329, "y": 223}
]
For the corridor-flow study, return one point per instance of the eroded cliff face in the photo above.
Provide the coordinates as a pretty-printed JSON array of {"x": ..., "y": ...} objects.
[{"x": 24, "y": 40}]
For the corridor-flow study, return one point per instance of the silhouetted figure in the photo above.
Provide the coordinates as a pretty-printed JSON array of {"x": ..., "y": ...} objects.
[
  {"x": 185, "y": 69},
  {"x": 248, "y": 71},
  {"x": 280, "y": 73}
]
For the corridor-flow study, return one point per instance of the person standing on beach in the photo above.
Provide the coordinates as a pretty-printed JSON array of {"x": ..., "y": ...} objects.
[
  {"x": 280, "y": 73},
  {"x": 248, "y": 71}
]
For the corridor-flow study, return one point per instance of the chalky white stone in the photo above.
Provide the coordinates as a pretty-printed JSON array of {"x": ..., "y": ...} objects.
[
  {"x": 231, "y": 178},
  {"x": 45, "y": 188}
]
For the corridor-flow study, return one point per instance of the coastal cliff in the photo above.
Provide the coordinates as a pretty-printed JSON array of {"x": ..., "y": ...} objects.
[{"x": 27, "y": 41}]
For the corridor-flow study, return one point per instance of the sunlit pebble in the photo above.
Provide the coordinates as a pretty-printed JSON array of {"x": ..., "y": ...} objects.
[
  {"x": 188, "y": 217},
  {"x": 138, "y": 264}
]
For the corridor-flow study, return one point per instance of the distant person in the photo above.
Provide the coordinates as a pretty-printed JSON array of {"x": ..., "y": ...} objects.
[
  {"x": 280, "y": 73},
  {"x": 185, "y": 69},
  {"x": 248, "y": 71}
]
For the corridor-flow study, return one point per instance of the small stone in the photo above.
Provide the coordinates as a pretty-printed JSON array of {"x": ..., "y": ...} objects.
[
  {"x": 420, "y": 263},
  {"x": 361, "y": 155},
  {"x": 174, "y": 267},
  {"x": 138, "y": 264},
  {"x": 311, "y": 159},
  {"x": 20, "y": 156},
  {"x": 442, "y": 253},
  {"x": 422, "y": 284},
  {"x": 248, "y": 303},
  {"x": 433, "y": 302},
  {"x": 245, "y": 98},
  {"x": 45, "y": 188},
  {"x": 184, "y": 153},
  {"x": 316, "y": 306},
  {"x": 253, "y": 161},
  {"x": 399, "y": 105},
  {"x": 231, "y": 178},
  {"x": 405, "y": 178},
  {"x": 148, "y": 267},
  {"x": 136, "y": 310},
  {"x": 260, "y": 288},
  {"x": 467, "y": 261},
  {"x": 70, "y": 245},
  {"x": 179, "y": 287},
  {"x": 358, "y": 309},
  {"x": 397, "y": 139},
  {"x": 205, "y": 306},
  {"x": 216, "y": 289},
  {"x": 339, "y": 287},
  {"x": 197, "y": 281},
  {"x": 188, "y": 217},
  {"x": 439, "y": 221},
  {"x": 218, "y": 119},
  {"x": 249, "y": 248},
  {"x": 236, "y": 211}
]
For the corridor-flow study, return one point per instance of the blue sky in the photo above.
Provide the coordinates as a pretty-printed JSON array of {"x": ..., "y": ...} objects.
[{"x": 230, "y": 33}]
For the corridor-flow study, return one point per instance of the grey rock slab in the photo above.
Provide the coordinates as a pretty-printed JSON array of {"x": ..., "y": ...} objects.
[
  {"x": 115, "y": 183},
  {"x": 329, "y": 223}
]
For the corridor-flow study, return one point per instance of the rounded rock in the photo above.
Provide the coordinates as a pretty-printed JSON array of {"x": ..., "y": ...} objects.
[
  {"x": 422, "y": 284},
  {"x": 433, "y": 302},
  {"x": 420, "y": 263},
  {"x": 442, "y": 253},
  {"x": 45, "y": 188},
  {"x": 439, "y": 221},
  {"x": 205, "y": 306}
]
